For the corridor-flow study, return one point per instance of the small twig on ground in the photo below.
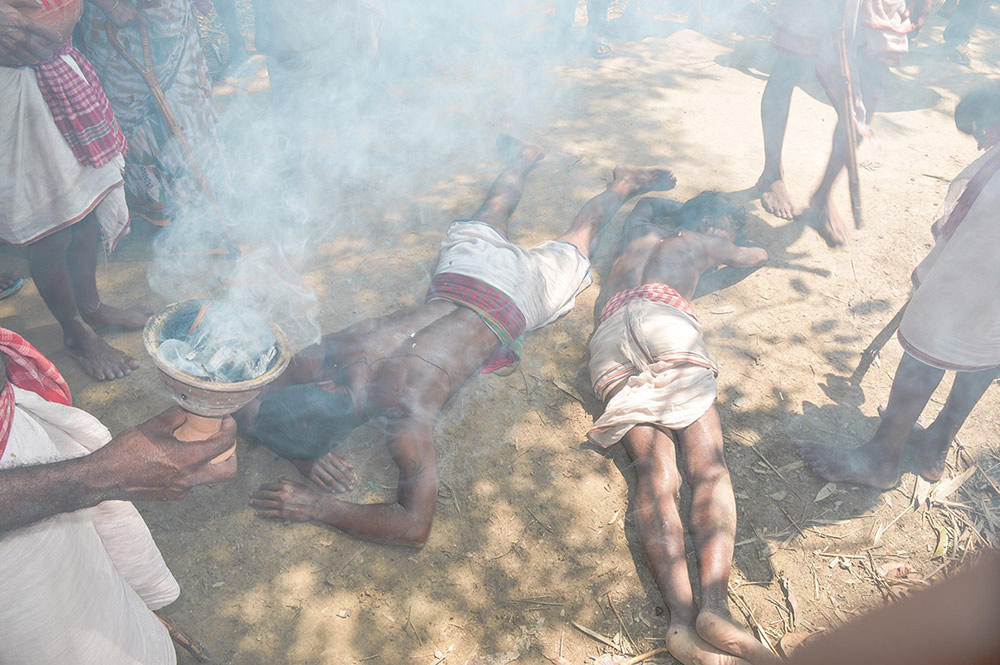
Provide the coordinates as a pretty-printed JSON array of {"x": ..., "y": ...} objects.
[
  {"x": 454, "y": 496},
  {"x": 412, "y": 627},
  {"x": 546, "y": 526},
  {"x": 644, "y": 656},
  {"x": 744, "y": 607},
  {"x": 621, "y": 623},
  {"x": 789, "y": 517},
  {"x": 347, "y": 563},
  {"x": 597, "y": 636}
]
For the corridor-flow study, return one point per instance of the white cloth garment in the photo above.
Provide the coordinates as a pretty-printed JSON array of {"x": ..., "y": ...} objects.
[
  {"x": 78, "y": 588},
  {"x": 658, "y": 352},
  {"x": 543, "y": 281},
  {"x": 42, "y": 185}
]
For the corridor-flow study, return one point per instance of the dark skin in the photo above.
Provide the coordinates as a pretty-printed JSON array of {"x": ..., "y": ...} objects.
[
  {"x": 404, "y": 367},
  {"x": 876, "y": 463},
  {"x": 663, "y": 253},
  {"x": 23, "y": 41}
]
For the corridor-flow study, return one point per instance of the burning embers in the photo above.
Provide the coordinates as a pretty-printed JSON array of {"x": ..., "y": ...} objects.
[{"x": 217, "y": 342}]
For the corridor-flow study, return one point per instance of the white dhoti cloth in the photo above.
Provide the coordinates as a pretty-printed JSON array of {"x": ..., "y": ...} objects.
[
  {"x": 78, "y": 588},
  {"x": 953, "y": 319},
  {"x": 42, "y": 185},
  {"x": 656, "y": 349},
  {"x": 542, "y": 281}
]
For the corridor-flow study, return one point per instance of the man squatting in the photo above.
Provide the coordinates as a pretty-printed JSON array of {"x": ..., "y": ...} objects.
[
  {"x": 485, "y": 294},
  {"x": 651, "y": 368}
]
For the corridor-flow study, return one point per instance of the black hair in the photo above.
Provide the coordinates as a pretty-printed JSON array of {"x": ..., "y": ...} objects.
[
  {"x": 304, "y": 422},
  {"x": 711, "y": 210},
  {"x": 979, "y": 110}
]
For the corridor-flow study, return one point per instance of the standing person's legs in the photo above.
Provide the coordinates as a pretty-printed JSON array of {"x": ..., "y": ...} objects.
[
  {"x": 960, "y": 25},
  {"x": 661, "y": 537},
  {"x": 821, "y": 214},
  {"x": 628, "y": 181},
  {"x": 506, "y": 191},
  {"x": 712, "y": 524},
  {"x": 876, "y": 463},
  {"x": 775, "y": 104},
  {"x": 226, "y": 10},
  {"x": 49, "y": 260},
  {"x": 931, "y": 445}
]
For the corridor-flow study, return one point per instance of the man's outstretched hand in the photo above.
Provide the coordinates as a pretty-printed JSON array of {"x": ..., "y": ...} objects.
[
  {"x": 23, "y": 41},
  {"x": 147, "y": 462}
]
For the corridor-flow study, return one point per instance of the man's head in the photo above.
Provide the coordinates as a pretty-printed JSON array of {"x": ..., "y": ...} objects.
[
  {"x": 978, "y": 114},
  {"x": 304, "y": 422},
  {"x": 712, "y": 213}
]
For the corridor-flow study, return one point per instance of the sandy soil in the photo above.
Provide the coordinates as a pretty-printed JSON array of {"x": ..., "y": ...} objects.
[{"x": 533, "y": 529}]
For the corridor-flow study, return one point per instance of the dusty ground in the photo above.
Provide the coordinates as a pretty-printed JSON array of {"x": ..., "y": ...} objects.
[{"x": 533, "y": 529}]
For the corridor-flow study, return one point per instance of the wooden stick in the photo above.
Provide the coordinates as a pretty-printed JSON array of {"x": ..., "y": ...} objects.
[
  {"x": 198, "y": 317},
  {"x": 850, "y": 127},
  {"x": 644, "y": 656},
  {"x": 182, "y": 638},
  {"x": 597, "y": 636},
  {"x": 621, "y": 623},
  {"x": 868, "y": 355}
]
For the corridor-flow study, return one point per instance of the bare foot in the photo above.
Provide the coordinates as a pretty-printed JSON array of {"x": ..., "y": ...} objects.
[
  {"x": 929, "y": 452},
  {"x": 686, "y": 646},
  {"x": 722, "y": 632},
  {"x": 775, "y": 198},
  {"x": 638, "y": 180},
  {"x": 599, "y": 48},
  {"x": 516, "y": 151},
  {"x": 106, "y": 316},
  {"x": 331, "y": 472},
  {"x": 101, "y": 360},
  {"x": 826, "y": 220},
  {"x": 858, "y": 466}
]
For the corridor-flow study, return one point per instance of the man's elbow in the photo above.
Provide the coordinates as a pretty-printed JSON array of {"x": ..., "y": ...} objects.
[{"x": 416, "y": 530}]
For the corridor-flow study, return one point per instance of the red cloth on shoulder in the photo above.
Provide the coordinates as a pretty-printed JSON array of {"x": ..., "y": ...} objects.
[{"x": 27, "y": 369}]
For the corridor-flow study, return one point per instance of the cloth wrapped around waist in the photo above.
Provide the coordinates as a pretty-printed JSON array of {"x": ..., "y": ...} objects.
[
  {"x": 514, "y": 290},
  {"x": 648, "y": 342}
]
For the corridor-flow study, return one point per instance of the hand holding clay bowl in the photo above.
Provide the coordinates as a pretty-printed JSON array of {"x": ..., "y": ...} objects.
[{"x": 213, "y": 358}]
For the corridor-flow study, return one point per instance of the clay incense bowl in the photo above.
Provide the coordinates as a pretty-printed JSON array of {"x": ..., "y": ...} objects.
[{"x": 205, "y": 401}]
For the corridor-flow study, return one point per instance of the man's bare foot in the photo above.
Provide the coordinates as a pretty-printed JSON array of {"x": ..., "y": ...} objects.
[
  {"x": 858, "y": 466},
  {"x": 107, "y": 317},
  {"x": 331, "y": 472},
  {"x": 929, "y": 452},
  {"x": 638, "y": 180},
  {"x": 826, "y": 220},
  {"x": 516, "y": 151},
  {"x": 686, "y": 646},
  {"x": 723, "y": 633},
  {"x": 775, "y": 198},
  {"x": 101, "y": 360}
]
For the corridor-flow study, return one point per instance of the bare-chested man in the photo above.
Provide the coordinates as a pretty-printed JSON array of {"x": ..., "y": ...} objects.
[
  {"x": 650, "y": 366},
  {"x": 805, "y": 34},
  {"x": 485, "y": 294}
]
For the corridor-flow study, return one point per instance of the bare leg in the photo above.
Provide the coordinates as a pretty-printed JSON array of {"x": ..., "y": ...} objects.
[
  {"x": 48, "y": 260},
  {"x": 226, "y": 10},
  {"x": 661, "y": 537},
  {"x": 81, "y": 259},
  {"x": 930, "y": 446},
  {"x": 876, "y": 463},
  {"x": 712, "y": 524},
  {"x": 821, "y": 214},
  {"x": 775, "y": 104},
  {"x": 505, "y": 194},
  {"x": 628, "y": 181}
]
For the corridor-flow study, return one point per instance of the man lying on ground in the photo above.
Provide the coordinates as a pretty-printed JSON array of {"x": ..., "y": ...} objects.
[
  {"x": 650, "y": 366},
  {"x": 485, "y": 294},
  {"x": 81, "y": 574},
  {"x": 952, "y": 323}
]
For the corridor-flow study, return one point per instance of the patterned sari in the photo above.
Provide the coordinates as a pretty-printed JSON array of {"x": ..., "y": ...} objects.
[{"x": 159, "y": 183}]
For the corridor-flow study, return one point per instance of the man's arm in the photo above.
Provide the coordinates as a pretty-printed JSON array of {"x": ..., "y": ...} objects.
[
  {"x": 405, "y": 522},
  {"x": 740, "y": 262},
  {"x": 24, "y": 42},
  {"x": 144, "y": 462}
]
